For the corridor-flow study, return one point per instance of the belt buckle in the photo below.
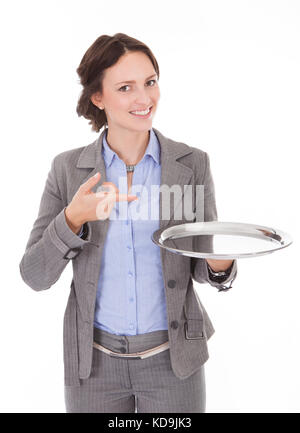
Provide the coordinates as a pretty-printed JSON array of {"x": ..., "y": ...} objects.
[{"x": 126, "y": 357}]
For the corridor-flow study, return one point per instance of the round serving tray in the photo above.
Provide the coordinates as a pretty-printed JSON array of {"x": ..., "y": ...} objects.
[{"x": 221, "y": 240}]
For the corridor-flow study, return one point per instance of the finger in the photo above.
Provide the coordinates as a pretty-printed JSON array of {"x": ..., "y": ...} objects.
[
  {"x": 115, "y": 196},
  {"x": 109, "y": 197},
  {"x": 126, "y": 197},
  {"x": 107, "y": 201},
  {"x": 106, "y": 197},
  {"x": 107, "y": 188},
  {"x": 92, "y": 181},
  {"x": 105, "y": 194},
  {"x": 104, "y": 207}
]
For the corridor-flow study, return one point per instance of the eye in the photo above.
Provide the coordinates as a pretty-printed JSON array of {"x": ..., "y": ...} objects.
[
  {"x": 127, "y": 85},
  {"x": 123, "y": 87},
  {"x": 153, "y": 81}
]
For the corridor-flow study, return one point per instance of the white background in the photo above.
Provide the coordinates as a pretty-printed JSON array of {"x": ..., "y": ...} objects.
[{"x": 230, "y": 86}]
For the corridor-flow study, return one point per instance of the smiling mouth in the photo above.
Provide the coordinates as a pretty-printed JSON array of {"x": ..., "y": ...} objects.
[{"x": 142, "y": 115}]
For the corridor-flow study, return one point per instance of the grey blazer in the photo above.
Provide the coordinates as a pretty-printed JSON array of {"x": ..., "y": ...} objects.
[{"x": 52, "y": 244}]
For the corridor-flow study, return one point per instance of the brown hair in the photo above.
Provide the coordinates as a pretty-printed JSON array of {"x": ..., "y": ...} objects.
[{"x": 103, "y": 53}]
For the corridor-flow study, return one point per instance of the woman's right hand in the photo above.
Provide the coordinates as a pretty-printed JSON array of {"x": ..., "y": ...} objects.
[{"x": 89, "y": 206}]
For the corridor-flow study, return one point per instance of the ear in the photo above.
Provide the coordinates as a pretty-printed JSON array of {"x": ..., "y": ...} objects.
[{"x": 96, "y": 99}]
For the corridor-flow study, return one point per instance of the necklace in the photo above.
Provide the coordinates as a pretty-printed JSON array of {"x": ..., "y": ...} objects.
[{"x": 130, "y": 168}]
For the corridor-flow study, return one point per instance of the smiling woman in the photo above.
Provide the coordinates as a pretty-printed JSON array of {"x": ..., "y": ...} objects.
[
  {"x": 120, "y": 77},
  {"x": 134, "y": 329},
  {"x": 105, "y": 67}
]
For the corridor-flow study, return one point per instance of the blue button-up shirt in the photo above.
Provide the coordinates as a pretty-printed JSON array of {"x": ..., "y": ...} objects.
[{"x": 130, "y": 294}]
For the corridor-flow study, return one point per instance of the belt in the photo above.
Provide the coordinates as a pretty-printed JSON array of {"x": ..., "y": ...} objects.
[{"x": 135, "y": 355}]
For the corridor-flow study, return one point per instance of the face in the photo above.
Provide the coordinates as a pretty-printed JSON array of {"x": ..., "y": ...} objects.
[{"x": 120, "y": 98}]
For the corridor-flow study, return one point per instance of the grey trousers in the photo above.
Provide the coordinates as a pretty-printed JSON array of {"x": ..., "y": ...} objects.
[{"x": 135, "y": 385}]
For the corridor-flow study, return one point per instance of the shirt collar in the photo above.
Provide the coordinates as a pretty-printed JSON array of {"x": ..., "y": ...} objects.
[{"x": 153, "y": 149}]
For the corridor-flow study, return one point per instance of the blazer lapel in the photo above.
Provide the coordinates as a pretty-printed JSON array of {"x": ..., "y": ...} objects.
[{"x": 172, "y": 173}]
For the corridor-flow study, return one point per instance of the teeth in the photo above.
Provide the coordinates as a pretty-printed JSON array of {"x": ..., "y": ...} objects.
[{"x": 143, "y": 113}]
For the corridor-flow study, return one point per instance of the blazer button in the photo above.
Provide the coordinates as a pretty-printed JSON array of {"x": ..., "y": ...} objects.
[
  {"x": 174, "y": 324},
  {"x": 171, "y": 284}
]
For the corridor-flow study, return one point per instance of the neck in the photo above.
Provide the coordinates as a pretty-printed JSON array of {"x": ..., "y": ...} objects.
[{"x": 130, "y": 146}]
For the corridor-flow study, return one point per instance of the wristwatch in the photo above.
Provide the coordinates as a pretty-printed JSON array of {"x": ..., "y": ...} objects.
[
  {"x": 220, "y": 277},
  {"x": 220, "y": 273},
  {"x": 217, "y": 274}
]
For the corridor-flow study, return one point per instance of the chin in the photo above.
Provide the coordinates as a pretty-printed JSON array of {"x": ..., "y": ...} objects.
[{"x": 140, "y": 128}]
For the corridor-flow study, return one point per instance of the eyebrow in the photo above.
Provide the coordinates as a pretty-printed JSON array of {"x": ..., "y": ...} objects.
[{"x": 132, "y": 81}]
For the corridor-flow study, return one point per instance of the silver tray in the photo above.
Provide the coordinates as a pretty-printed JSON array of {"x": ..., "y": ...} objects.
[{"x": 221, "y": 240}]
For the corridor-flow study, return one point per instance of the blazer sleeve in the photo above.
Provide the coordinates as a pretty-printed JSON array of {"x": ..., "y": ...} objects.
[
  {"x": 51, "y": 242},
  {"x": 199, "y": 267}
]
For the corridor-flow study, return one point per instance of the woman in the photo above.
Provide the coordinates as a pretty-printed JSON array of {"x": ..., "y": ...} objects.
[{"x": 135, "y": 331}]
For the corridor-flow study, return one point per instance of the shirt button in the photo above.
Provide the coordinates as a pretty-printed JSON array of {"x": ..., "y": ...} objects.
[
  {"x": 128, "y": 247},
  {"x": 130, "y": 273},
  {"x": 131, "y": 326},
  {"x": 122, "y": 349},
  {"x": 131, "y": 299},
  {"x": 171, "y": 284}
]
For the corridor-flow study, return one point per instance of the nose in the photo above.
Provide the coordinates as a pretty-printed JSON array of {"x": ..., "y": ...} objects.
[{"x": 142, "y": 98}]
